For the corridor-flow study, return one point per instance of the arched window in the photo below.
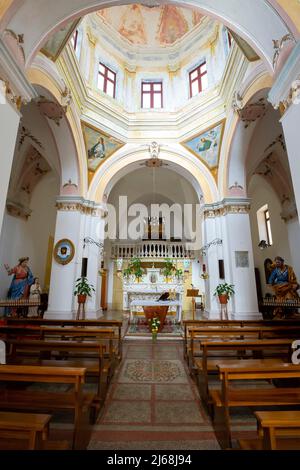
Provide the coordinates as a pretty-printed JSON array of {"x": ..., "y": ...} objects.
[{"x": 264, "y": 224}]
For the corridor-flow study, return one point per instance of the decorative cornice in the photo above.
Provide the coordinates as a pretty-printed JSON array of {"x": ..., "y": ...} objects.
[
  {"x": 18, "y": 210},
  {"x": 78, "y": 204},
  {"x": 11, "y": 72},
  {"x": 289, "y": 212},
  {"x": 227, "y": 206},
  {"x": 279, "y": 44},
  {"x": 286, "y": 89}
]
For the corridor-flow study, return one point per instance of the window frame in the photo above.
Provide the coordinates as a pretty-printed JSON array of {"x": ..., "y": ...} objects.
[
  {"x": 106, "y": 79},
  {"x": 152, "y": 93},
  {"x": 267, "y": 220},
  {"x": 75, "y": 39},
  {"x": 198, "y": 78}
]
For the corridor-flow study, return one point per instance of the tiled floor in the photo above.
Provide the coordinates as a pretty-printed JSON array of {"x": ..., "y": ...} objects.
[{"x": 153, "y": 403}]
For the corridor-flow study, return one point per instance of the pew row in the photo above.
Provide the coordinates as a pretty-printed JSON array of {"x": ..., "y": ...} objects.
[
  {"x": 277, "y": 430},
  {"x": 37, "y": 322},
  {"x": 233, "y": 394},
  {"x": 214, "y": 353},
  {"x": 16, "y": 396},
  {"x": 89, "y": 355}
]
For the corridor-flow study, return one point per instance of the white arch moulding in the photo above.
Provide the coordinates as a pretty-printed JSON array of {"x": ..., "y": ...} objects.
[
  {"x": 73, "y": 163},
  {"x": 130, "y": 157}
]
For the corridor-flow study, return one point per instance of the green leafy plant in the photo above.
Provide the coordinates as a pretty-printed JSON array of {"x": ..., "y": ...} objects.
[
  {"x": 225, "y": 289},
  {"x": 168, "y": 268},
  {"x": 83, "y": 287},
  {"x": 178, "y": 273},
  {"x": 134, "y": 267}
]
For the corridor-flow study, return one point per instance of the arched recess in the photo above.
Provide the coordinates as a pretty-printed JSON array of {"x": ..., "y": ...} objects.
[
  {"x": 234, "y": 152},
  {"x": 249, "y": 20},
  {"x": 68, "y": 134},
  {"x": 129, "y": 158}
]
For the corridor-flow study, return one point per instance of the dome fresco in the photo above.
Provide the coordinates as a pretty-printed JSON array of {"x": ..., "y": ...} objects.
[{"x": 151, "y": 26}]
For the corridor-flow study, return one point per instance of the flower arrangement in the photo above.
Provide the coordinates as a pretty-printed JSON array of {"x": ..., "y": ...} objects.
[{"x": 154, "y": 324}]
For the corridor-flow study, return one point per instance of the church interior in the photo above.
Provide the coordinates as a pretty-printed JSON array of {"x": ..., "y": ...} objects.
[{"x": 149, "y": 227}]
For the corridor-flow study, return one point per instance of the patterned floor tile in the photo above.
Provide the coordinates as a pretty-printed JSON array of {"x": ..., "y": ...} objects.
[
  {"x": 132, "y": 392},
  {"x": 173, "y": 392},
  {"x": 118, "y": 412},
  {"x": 177, "y": 412},
  {"x": 153, "y": 371}
]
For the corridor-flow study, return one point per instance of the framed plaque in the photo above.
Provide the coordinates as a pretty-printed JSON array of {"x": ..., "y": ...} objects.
[{"x": 64, "y": 251}]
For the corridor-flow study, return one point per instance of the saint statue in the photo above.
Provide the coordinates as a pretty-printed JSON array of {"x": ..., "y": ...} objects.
[
  {"x": 35, "y": 296},
  {"x": 284, "y": 282},
  {"x": 21, "y": 282}
]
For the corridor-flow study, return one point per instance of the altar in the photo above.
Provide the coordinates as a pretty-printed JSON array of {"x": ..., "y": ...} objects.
[
  {"x": 149, "y": 289},
  {"x": 157, "y": 309}
]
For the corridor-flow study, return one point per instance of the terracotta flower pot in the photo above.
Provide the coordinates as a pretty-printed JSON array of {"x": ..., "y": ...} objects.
[
  {"x": 81, "y": 299},
  {"x": 223, "y": 298}
]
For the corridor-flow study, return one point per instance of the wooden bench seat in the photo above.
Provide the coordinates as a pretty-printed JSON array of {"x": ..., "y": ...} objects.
[
  {"x": 116, "y": 325},
  {"x": 192, "y": 324},
  {"x": 21, "y": 444},
  {"x": 15, "y": 398},
  {"x": 277, "y": 430},
  {"x": 233, "y": 395},
  {"x": 198, "y": 336},
  {"x": 63, "y": 354},
  {"x": 33, "y": 428},
  {"x": 271, "y": 352}
]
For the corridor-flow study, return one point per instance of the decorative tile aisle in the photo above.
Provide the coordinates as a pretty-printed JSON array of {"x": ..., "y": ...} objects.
[{"x": 153, "y": 404}]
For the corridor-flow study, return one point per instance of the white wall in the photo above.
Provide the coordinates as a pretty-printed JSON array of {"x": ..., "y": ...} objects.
[
  {"x": 30, "y": 237},
  {"x": 261, "y": 193}
]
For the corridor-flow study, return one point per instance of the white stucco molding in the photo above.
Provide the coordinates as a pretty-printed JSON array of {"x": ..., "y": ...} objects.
[
  {"x": 227, "y": 206},
  {"x": 286, "y": 89},
  {"x": 11, "y": 72},
  {"x": 79, "y": 204}
]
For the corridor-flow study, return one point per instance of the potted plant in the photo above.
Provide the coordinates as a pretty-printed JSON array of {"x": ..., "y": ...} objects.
[
  {"x": 224, "y": 292},
  {"x": 134, "y": 267},
  {"x": 179, "y": 274},
  {"x": 168, "y": 269},
  {"x": 83, "y": 289}
]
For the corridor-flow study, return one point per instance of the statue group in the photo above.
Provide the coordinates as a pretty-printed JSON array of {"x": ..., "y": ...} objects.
[
  {"x": 284, "y": 283},
  {"x": 23, "y": 286}
]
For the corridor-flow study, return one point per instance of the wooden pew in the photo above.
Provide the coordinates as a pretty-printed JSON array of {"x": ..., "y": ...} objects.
[
  {"x": 36, "y": 322},
  {"x": 33, "y": 428},
  {"x": 187, "y": 324},
  {"x": 209, "y": 361},
  {"x": 89, "y": 355},
  {"x": 261, "y": 332},
  {"x": 230, "y": 397},
  {"x": 277, "y": 431},
  {"x": 15, "y": 398}
]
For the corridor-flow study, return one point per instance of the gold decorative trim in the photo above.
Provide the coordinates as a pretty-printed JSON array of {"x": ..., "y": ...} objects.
[
  {"x": 16, "y": 100},
  {"x": 236, "y": 209},
  {"x": 292, "y": 98},
  {"x": 80, "y": 207}
]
